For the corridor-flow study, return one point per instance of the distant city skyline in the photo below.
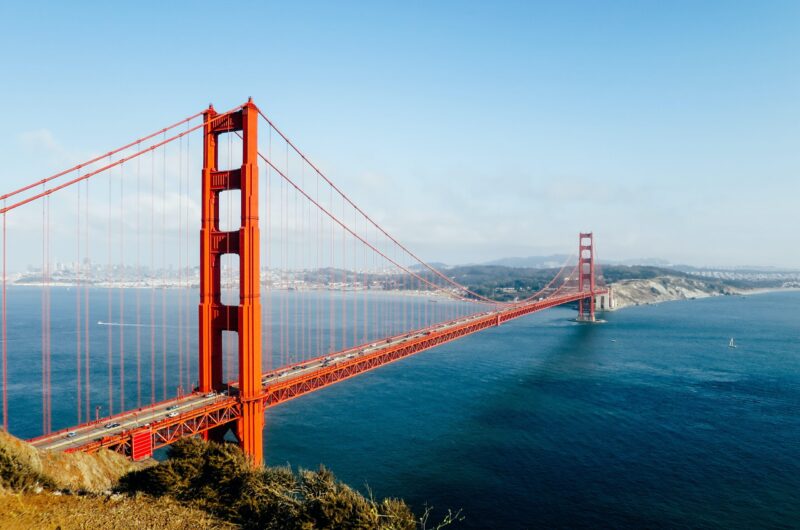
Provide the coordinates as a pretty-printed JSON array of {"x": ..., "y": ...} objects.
[{"x": 470, "y": 131}]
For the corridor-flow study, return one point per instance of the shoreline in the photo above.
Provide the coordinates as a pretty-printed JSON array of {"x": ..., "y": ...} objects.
[
  {"x": 622, "y": 298},
  {"x": 265, "y": 289},
  {"x": 733, "y": 292}
]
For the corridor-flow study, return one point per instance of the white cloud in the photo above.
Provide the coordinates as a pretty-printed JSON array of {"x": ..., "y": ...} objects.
[{"x": 41, "y": 144}]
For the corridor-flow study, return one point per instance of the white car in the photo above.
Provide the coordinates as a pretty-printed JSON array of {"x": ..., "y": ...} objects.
[{"x": 172, "y": 414}]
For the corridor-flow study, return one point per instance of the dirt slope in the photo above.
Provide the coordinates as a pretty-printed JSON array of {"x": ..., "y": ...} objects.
[{"x": 75, "y": 471}]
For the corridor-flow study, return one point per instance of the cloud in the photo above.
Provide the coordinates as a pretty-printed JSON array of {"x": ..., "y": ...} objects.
[{"x": 42, "y": 144}]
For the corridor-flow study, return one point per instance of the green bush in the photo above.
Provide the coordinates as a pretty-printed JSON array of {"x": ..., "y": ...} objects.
[
  {"x": 17, "y": 475},
  {"x": 219, "y": 479}
]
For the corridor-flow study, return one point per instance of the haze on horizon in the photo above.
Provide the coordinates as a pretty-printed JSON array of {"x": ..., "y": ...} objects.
[{"x": 470, "y": 131}]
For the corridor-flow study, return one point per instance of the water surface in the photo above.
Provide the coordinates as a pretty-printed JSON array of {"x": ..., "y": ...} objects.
[{"x": 648, "y": 420}]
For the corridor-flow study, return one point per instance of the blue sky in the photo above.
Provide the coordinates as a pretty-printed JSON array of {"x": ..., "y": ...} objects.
[{"x": 471, "y": 130}]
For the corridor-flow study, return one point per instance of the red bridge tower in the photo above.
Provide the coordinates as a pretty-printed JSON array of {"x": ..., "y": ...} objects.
[
  {"x": 245, "y": 318},
  {"x": 586, "y": 276}
]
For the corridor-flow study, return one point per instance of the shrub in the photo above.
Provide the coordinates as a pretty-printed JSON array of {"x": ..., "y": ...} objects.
[{"x": 219, "y": 479}]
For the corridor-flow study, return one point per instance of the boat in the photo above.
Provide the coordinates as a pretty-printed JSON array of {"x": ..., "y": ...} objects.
[{"x": 732, "y": 343}]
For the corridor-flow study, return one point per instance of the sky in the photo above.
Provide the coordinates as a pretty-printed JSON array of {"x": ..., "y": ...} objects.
[{"x": 470, "y": 130}]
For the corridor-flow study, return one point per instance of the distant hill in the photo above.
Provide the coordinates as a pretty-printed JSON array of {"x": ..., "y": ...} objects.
[
  {"x": 532, "y": 262},
  {"x": 557, "y": 260},
  {"x": 439, "y": 266},
  {"x": 640, "y": 262},
  {"x": 505, "y": 283}
]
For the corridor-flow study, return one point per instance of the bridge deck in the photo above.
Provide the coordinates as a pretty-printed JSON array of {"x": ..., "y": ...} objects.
[{"x": 170, "y": 420}]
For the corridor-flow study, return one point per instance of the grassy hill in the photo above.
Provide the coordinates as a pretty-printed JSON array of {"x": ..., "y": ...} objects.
[{"x": 200, "y": 486}]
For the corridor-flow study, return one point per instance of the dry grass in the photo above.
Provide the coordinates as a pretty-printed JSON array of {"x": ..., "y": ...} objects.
[
  {"x": 202, "y": 485},
  {"x": 219, "y": 479},
  {"x": 22, "y": 466},
  {"x": 48, "y": 511}
]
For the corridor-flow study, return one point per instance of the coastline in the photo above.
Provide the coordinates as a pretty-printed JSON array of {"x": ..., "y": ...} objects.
[
  {"x": 626, "y": 293},
  {"x": 265, "y": 287},
  {"x": 631, "y": 293}
]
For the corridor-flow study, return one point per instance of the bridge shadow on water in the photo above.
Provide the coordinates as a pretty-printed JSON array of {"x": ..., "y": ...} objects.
[
  {"x": 571, "y": 354},
  {"x": 500, "y": 458}
]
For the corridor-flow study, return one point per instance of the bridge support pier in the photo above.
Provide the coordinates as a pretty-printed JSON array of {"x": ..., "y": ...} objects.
[
  {"x": 244, "y": 318},
  {"x": 586, "y": 277}
]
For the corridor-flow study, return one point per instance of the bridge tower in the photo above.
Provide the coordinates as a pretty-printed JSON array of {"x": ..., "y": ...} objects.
[
  {"x": 244, "y": 318},
  {"x": 586, "y": 276}
]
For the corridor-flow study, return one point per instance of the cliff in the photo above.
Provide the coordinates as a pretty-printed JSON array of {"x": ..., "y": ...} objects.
[
  {"x": 43, "y": 489},
  {"x": 201, "y": 486},
  {"x": 664, "y": 289},
  {"x": 22, "y": 466},
  {"x": 51, "y": 509}
]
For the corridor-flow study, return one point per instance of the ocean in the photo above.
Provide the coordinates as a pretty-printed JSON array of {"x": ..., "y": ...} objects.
[{"x": 646, "y": 420}]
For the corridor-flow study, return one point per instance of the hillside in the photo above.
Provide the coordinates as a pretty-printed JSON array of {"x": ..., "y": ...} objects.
[
  {"x": 25, "y": 511},
  {"x": 505, "y": 284},
  {"x": 200, "y": 486},
  {"x": 632, "y": 285},
  {"x": 23, "y": 467},
  {"x": 43, "y": 489},
  {"x": 665, "y": 288}
]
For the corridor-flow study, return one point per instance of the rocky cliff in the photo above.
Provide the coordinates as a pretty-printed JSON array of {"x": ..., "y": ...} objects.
[
  {"x": 23, "y": 463},
  {"x": 664, "y": 289},
  {"x": 43, "y": 489}
]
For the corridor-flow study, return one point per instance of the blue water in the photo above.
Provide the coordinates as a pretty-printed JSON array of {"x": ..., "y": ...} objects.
[
  {"x": 648, "y": 420},
  {"x": 147, "y": 338}
]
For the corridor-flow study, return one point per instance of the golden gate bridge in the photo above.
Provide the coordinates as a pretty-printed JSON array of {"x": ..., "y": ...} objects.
[{"x": 117, "y": 237}]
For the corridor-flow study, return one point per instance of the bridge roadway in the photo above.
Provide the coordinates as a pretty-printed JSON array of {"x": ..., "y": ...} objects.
[{"x": 166, "y": 422}]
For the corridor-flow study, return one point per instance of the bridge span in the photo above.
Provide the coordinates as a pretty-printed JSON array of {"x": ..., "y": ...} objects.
[
  {"x": 138, "y": 433},
  {"x": 138, "y": 205}
]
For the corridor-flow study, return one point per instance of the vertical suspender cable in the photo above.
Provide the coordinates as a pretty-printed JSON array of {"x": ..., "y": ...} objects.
[
  {"x": 365, "y": 287},
  {"x": 44, "y": 324},
  {"x": 282, "y": 261},
  {"x": 138, "y": 280},
  {"x": 355, "y": 278},
  {"x": 180, "y": 264},
  {"x": 267, "y": 322},
  {"x": 301, "y": 266},
  {"x": 297, "y": 324},
  {"x": 284, "y": 269},
  {"x": 344, "y": 283},
  {"x": 47, "y": 327},
  {"x": 4, "y": 330},
  {"x": 152, "y": 277},
  {"x": 186, "y": 304},
  {"x": 319, "y": 299},
  {"x": 331, "y": 326},
  {"x": 122, "y": 288},
  {"x": 109, "y": 327},
  {"x": 164, "y": 275},
  {"x": 86, "y": 341},
  {"x": 78, "y": 294}
]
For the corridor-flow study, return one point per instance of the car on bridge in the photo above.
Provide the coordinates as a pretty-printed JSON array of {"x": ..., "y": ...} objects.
[{"x": 111, "y": 425}]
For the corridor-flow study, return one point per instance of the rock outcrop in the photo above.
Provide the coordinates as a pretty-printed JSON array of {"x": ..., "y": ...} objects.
[
  {"x": 23, "y": 465},
  {"x": 664, "y": 289}
]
